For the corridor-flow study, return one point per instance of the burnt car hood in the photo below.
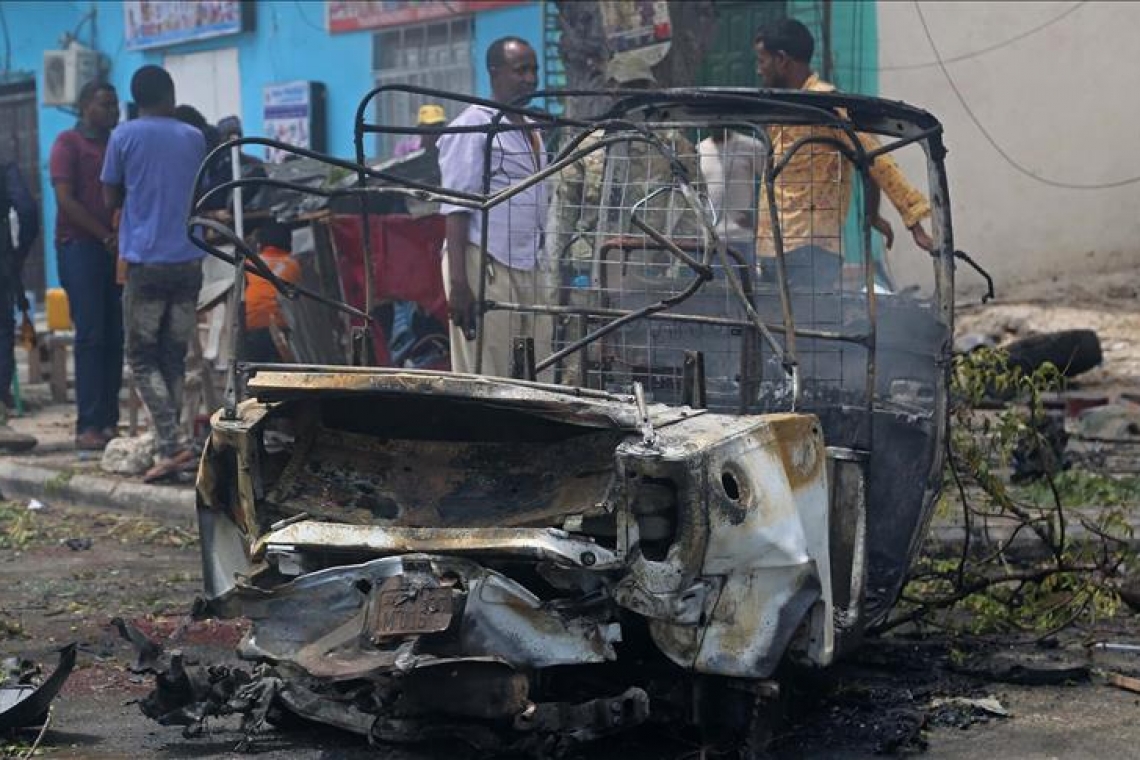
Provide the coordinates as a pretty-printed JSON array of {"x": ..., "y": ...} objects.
[
  {"x": 575, "y": 504},
  {"x": 578, "y": 406}
]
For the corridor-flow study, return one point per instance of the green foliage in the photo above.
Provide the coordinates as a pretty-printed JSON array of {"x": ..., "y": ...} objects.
[
  {"x": 985, "y": 589},
  {"x": 55, "y": 485},
  {"x": 20, "y": 528},
  {"x": 1079, "y": 488},
  {"x": 17, "y": 526}
]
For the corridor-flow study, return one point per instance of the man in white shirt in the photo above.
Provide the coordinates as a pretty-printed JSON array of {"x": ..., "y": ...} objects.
[
  {"x": 732, "y": 163},
  {"x": 515, "y": 227}
]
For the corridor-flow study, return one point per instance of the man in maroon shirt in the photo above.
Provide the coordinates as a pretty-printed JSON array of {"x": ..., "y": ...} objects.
[{"x": 86, "y": 243}]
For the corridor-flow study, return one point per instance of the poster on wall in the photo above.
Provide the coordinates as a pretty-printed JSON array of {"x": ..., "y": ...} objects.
[
  {"x": 639, "y": 32},
  {"x": 293, "y": 113},
  {"x": 351, "y": 16},
  {"x": 157, "y": 23}
]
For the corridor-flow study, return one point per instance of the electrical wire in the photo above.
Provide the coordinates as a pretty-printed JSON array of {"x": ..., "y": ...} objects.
[
  {"x": 990, "y": 139},
  {"x": 983, "y": 51},
  {"x": 304, "y": 18},
  {"x": 88, "y": 17}
]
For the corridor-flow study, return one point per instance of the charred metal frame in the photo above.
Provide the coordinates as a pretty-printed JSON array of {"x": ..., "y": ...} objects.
[
  {"x": 634, "y": 117},
  {"x": 772, "y": 519}
]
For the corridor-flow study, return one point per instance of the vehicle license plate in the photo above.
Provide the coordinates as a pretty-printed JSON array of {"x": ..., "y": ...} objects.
[{"x": 399, "y": 610}]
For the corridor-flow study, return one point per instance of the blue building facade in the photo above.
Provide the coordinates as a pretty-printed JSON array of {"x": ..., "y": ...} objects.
[{"x": 284, "y": 42}]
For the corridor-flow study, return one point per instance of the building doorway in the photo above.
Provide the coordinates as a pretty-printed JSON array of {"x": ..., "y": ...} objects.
[
  {"x": 730, "y": 60},
  {"x": 19, "y": 141},
  {"x": 209, "y": 81}
]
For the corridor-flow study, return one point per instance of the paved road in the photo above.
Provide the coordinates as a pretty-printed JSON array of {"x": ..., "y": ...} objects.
[{"x": 147, "y": 572}]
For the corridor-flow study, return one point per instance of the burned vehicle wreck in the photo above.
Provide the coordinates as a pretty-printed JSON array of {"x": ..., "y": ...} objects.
[{"x": 696, "y": 477}]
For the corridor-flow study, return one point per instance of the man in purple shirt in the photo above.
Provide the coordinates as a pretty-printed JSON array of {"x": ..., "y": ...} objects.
[
  {"x": 85, "y": 239},
  {"x": 514, "y": 227},
  {"x": 149, "y": 171}
]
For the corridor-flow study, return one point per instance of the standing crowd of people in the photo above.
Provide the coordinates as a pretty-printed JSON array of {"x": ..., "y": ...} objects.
[
  {"x": 122, "y": 191},
  {"x": 124, "y": 258}
]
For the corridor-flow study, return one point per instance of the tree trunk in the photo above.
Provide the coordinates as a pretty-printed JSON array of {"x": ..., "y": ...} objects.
[
  {"x": 584, "y": 53},
  {"x": 585, "y": 49},
  {"x": 694, "y": 28}
]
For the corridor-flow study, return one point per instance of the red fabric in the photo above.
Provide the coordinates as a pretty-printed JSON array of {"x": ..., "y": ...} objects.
[{"x": 406, "y": 264}]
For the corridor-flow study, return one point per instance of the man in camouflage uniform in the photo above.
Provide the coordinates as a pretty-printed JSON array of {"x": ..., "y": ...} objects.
[
  {"x": 592, "y": 210},
  {"x": 591, "y": 206}
]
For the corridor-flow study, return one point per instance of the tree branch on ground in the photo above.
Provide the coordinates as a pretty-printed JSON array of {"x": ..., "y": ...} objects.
[{"x": 1055, "y": 578}]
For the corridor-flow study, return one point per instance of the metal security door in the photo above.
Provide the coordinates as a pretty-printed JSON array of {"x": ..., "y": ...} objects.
[
  {"x": 19, "y": 141},
  {"x": 730, "y": 60}
]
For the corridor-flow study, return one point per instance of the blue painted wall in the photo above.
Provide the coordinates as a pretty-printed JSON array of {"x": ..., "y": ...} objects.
[
  {"x": 524, "y": 20},
  {"x": 289, "y": 42},
  {"x": 38, "y": 26}
]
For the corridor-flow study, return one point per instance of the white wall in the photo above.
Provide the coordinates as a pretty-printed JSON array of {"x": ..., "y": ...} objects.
[{"x": 1064, "y": 102}]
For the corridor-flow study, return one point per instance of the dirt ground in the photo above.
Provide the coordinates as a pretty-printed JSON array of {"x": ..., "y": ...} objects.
[
  {"x": 1104, "y": 301},
  {"x": 886, "y": 699},
  {"x": 880, "y": 701}
]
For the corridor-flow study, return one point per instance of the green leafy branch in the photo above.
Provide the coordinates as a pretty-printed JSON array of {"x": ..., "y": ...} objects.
[{"x": 985, "y": 587}]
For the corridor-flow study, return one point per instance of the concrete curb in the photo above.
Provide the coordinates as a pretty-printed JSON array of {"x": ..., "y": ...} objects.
[
  {"x": 176, "y": 505},
  {"x": 165, "y": 503}
]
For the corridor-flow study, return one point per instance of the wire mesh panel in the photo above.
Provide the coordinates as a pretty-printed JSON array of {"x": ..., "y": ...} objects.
[
  {"x": 695, "y": 242},
  {"x": 630, "y": 229},
  {"x": 674, "y": 219}
]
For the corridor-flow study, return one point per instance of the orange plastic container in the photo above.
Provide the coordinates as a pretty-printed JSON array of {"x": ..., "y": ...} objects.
[{"x": 58, "y": 310}]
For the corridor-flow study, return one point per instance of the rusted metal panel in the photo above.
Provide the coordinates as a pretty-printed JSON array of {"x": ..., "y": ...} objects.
[
  {"x": 357, "y": 479},
  {"x": 755, "y": 493},
  {"x": 318, "y": 621},
  {"x": 579, "y": 406}
]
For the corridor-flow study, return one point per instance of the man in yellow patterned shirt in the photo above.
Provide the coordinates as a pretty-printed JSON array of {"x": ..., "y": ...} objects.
[{"x": 813, "y": 191}]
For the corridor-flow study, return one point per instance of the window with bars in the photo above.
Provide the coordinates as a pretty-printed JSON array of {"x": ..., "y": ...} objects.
[{"x": 436, "y": 55}]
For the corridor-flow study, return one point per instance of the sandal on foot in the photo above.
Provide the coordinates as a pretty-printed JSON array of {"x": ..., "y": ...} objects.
[{"x": 167, "y": 467}]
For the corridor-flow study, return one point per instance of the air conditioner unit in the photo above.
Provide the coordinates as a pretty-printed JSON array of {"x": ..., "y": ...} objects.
[{"x": 66, "y": 71}]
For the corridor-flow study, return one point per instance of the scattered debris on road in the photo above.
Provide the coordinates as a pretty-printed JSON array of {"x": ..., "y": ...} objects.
[
  {"x": 129, "y": 456},
  {"x": 24, "y": 703},
  {"x": 1128, "y": 683}
]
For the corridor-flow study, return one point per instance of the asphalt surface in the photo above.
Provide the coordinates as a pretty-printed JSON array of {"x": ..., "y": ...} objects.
[{"x": 147, "y": 572}]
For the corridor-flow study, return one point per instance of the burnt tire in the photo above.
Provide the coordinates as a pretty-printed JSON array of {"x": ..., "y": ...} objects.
[
  {"x": 737, "y": 720},
  {"x": 1071, "y": 351}
]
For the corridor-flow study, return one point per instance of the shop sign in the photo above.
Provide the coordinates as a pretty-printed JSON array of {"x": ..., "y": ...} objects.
[
  {"x": 158, "y": 23},
  {"x": 293, "y": 113},
  {"x": 350, "y": 16}
]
